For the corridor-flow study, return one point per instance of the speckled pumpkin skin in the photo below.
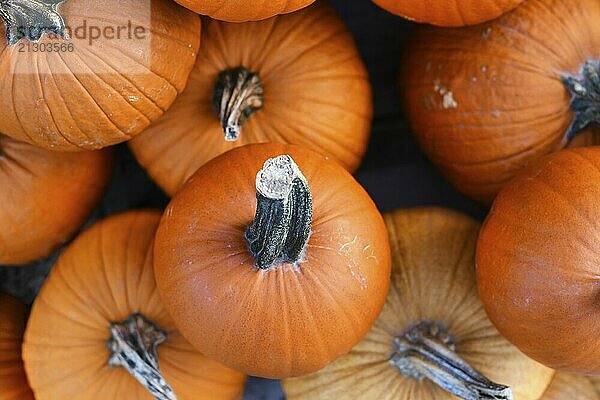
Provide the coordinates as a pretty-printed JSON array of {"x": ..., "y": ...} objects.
[
  {"x": 243, "y": 10},
  {"x": 287, "y": 321}
]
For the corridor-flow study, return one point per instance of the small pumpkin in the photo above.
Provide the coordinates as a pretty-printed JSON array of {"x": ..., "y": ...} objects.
[
  {"x": 566, "y": 386},
  {"x": 537, "y": 267},
  {"x": 274, "y": 274},
  {"x": 433, "y": 336},
  {"x": 444, "y": 13},
  {"x": 13, "y": 316},
  {"x": 86, "y": 74},
  {"x": 98, "y": 325},
  {"x": 295, "y": 78},
  {"x": 46, "y": 197},
  {"x": 243, "y": 10},
  {"x": 485, "y": 101}
]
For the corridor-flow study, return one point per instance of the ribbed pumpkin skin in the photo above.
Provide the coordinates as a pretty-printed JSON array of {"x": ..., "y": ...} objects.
[
  {"x": 46, "y": 197},
  {"x": 284, "y": 321},
  {"x": 60, "y": 107},
  {"x": 433, "y": 278},
  {"x": 13, "y": 317},
  {"x": 566, "y": 386},
  {"x": 104, "y": 276},
  {"x": 243, "y": 10},
  {"x": 317, "y": 94},
  {"x": 448, "y": 13},
  {"x": 484, "y": 101},
  {"x": 537, "y": 268}
]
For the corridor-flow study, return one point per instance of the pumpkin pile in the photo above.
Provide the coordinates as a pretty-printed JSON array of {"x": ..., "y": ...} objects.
[{"x": 267, "y": 257}]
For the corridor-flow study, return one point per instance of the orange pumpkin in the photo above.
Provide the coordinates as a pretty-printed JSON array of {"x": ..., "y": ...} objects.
[
  {"x": 537, "y": 268},
  {"x": 99, "y": 74},
  {"x": 485, "y": 101},
  {"x": 46, "y": 197},
  {"x": 243, "y": 10},
  {"x": 444, "y": 13},
  {"x": 566, "y": 386},
  {"x": 13, "y": 383},
  {"x": 432, "y": 337},
  {"x": 295, "y": 78},
  {"x": 284, "y": 293},
  {"x": 98, "y": 322}
]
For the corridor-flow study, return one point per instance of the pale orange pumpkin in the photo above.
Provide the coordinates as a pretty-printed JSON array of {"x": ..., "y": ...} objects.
[
  {"x": 433, "y": 332},
  {"x": 13, "y": 316},
  {"x": 82, "y": 337},
  {"x": 243, "y": 10},
  {"x": 295, "y": 78},
  {"x": 118, "y": 66},
  {"x": 570, "y": 387}
]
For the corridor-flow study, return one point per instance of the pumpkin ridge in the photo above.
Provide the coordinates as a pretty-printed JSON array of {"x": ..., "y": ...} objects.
[{"x": 129, "y": 81}]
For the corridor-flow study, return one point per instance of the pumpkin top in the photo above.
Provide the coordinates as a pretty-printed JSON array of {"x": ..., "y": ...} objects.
[
  {"x": 433, "y": 286},
  {"x": 101, "y": 280},
  {"x": 295, "y": 297}
]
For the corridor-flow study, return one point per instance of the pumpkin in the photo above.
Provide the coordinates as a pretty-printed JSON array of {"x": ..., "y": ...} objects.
[
  {"x": 46, "y": 197},
  {"x": 444, "y": 13},
  {"x": 295, "y": 78},
  {"x": 86, "y": 74},
  {"x": 485, "y": 101},
  {"x": 274, "y": 274},
  {"x": 13, "y": 316},
  {"x": 433, "y": 336},
  {"x": 98, "y": 329},
  {"x": 537, "y": 264},
  {"x": 567, "y": 386},
  {"x": 243, "y": 10}
]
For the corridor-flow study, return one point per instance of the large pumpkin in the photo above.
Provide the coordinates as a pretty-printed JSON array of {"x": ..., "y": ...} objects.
[
  {"x": 433, "y": 332},
  {"x": 295, "y": 78},
  {"x": 570, "y": 387},
  {"x": 98, "y": 322},
  {"x": 484, "y": 101},
  {"x": 537, "y": 261},
  {"x": 118, "y": 65},
  {"x": 13, "y": 383},
  {"x": 284, "y": 293},
  {"x": 243, "y": 10},
  {"x": 448, "y": 13},
  {"x": 46, "y": 197}
]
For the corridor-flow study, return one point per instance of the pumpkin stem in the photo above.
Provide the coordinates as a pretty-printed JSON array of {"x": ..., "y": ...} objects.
[
  {"x": 133, "y": 344},
  {"x": 585, "y": 102},
  {"x": 426, "y": 350},
  {"x": 31, "y": 19},
  {"x": 237, "y": 95},
  {"x": 281, "y": 226}
]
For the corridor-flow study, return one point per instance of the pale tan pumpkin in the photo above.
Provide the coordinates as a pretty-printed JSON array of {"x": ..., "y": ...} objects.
[
  {"x": 433, "y": 279},
  {"x": 566, "y": 386}
]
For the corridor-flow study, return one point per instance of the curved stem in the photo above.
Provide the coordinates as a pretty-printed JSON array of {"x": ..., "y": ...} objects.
[
  {"x": 31, "y": 19},
  {"x": 281, "y": 226},
  {"x": 585, "y": 102},
  {"x": 133, "y": 344},
  {"x": 426, "y": 350},
  {"x": 238, "y": 94}
]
